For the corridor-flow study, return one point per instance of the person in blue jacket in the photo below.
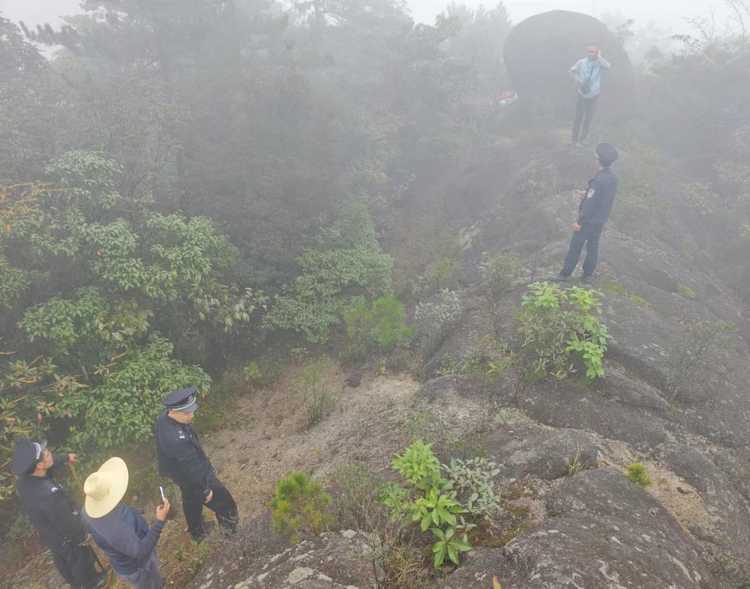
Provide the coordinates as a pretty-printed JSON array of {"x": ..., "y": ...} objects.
[
  {"x": 593, "y": 212},
  {"x": 588, "y": 73},
  {"x": 120, "y": 530}
]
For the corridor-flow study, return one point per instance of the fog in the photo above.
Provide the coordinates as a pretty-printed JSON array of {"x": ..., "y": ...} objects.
[
  {"x": 671, "y": 13},
  {"x": 512, "y": 256}
]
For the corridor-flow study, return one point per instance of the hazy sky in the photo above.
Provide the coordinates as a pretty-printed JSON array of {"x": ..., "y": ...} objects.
[{"x": 669, "y": 12}]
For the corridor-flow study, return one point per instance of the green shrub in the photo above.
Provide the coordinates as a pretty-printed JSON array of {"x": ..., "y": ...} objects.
[
  {"x": 638, "y": 475},
  {"x": 472, "y": 480},
  {"x": 380, "y": 327},
  {"x": 252, "y": 372},
  {"x": 686, "y": 291},
  {"x": 348, "y": 254},
  {"x": 500, "y": 271},
  {"x": 300, "y": 508},
  {"x": 558, "y": 327},
  {"x": 435, "y": 319},
  {"x": 426, "y": 498}
]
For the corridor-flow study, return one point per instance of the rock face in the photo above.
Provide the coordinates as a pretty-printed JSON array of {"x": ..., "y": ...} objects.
[
  {"x": 604, "y": 531},
  {"x": 541, "y": 49},
  {"x": 331, "y": 561}
]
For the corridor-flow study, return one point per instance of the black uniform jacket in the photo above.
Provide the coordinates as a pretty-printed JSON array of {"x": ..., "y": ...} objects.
[
  {"x": 181, "y": 457},
  {"x": 50, "y": 509},
  {"x": 597, "y": 205}
]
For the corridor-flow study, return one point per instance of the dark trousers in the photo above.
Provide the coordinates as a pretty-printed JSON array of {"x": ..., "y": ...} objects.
[
  {"x": 222, "y": 504},
  {"x": 589, "y": 235},
  {"x": 76, "y": 565},
  {"x": 585, "y": 108}
]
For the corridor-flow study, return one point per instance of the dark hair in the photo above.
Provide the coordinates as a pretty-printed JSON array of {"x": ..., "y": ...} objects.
[{"x": 594, "y": 45}]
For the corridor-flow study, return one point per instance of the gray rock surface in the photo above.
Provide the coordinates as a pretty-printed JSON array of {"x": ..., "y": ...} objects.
[
  {"x": 576, "y": 407},
  {"x": 331, "y": 561},
  {"x": 544, "y": 454},
  {"x": 604, "y": 535}
]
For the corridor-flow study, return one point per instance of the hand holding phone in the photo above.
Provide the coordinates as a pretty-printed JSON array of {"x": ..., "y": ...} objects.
[{"x": 162, "y": 498}]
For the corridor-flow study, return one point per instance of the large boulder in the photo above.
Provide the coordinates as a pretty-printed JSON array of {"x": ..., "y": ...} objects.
[{"x": 541, "y": 49}]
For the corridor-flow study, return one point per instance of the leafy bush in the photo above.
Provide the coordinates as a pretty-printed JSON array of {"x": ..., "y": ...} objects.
[
  {"x": 347, "y": 255},
  {"x": 117, "y": 286},
  {"x": 252, "y": 372},
  {"x": 638, "y": 475},
  {"x": 558, "y": 327},
  {"x": 378, "y": 328},
  {"x": 426, "y": 498},
  {"x": 686, "y": 291},
  {"x": 472, "y": 480},
  {"x": 500, "y": 271},
  {"x": 124, "y": 407},
  {"x": 436, "y": 318},
  {"x": 300, "y": 508}
]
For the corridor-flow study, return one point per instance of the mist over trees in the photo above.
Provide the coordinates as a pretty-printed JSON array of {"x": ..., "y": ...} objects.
[{"x": 191, "y": 182}]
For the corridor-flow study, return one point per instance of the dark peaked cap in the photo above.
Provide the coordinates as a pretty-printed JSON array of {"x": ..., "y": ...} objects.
[
  {"x": 182, "y": 400},
  {"x": 27, "y": 454},
  {"x": 607, "y": 153}
]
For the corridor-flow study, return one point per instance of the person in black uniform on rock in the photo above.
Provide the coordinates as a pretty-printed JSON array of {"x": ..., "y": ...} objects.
[
  {"x": 182, "y": 459},
  {"x": 53, "y": 514},
  {"x": 593, "y": 212}
]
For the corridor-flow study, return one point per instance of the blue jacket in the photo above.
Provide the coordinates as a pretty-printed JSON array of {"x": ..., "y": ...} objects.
[
  {"x": 586, "y": 68},
  {"x": 125, "y": 537}
]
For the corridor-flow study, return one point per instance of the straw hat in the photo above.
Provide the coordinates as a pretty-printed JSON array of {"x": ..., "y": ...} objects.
[{"x": 106, "y": 487}]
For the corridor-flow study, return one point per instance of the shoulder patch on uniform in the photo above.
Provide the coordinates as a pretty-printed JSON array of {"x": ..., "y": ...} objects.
[
  {"x": 591, "y": 193},
  {"x": 54, "y": 489}
]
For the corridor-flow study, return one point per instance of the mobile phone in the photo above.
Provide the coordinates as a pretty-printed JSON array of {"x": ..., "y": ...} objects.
[{"x": 161, "y": 494}]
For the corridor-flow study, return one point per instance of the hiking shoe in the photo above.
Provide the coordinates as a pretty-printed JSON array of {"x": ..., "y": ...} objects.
[
  {"x": 586, "y": 279},
  {"x": 560, "y": 277}
]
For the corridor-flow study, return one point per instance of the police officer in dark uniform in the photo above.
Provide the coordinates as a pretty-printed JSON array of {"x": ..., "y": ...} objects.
[
  {"x": 593, "y": 212},
  {"x": 53, "y": 514},
  {"x": 182, "y": 459}
]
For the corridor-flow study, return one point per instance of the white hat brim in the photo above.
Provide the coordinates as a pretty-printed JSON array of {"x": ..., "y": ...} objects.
[{"x": 117, "y": 470}]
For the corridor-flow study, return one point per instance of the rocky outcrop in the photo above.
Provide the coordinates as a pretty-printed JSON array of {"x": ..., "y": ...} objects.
[
  {"x": 541, "y": 49},
  {"x": 604, "y": 531}
]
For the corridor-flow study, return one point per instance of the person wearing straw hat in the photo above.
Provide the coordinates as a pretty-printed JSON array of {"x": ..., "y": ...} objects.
[
  {"x": 182, "y": 459},
  {"x": 53, "y": 513},
  {"x": 120, "y": 530}
]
